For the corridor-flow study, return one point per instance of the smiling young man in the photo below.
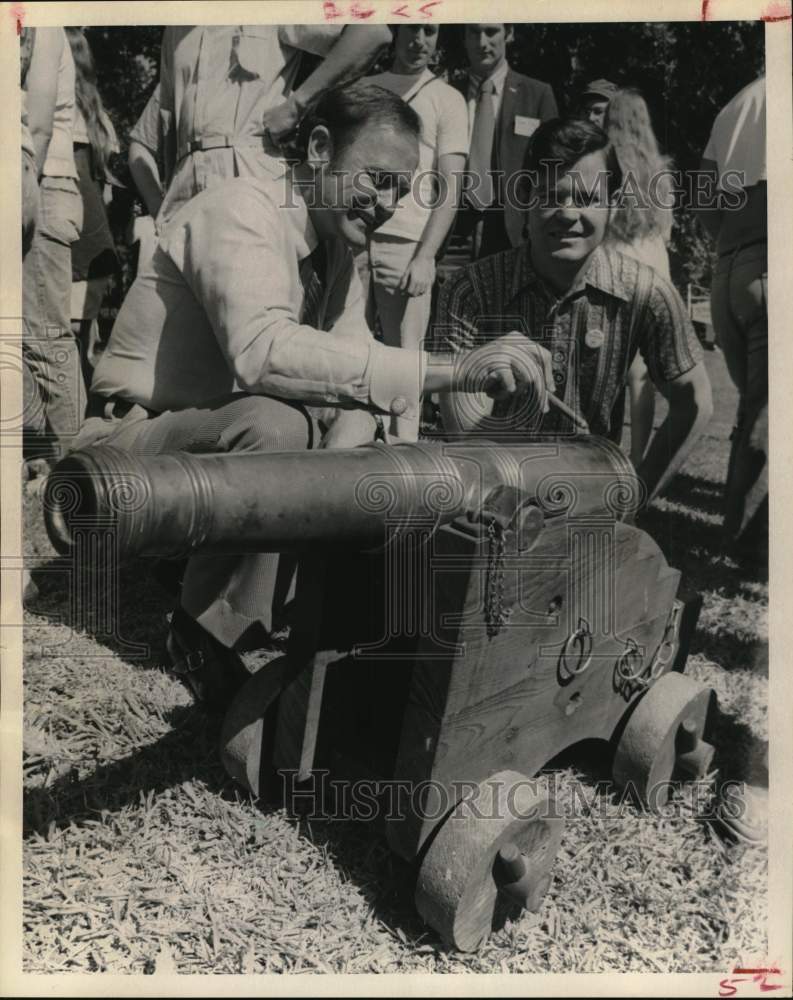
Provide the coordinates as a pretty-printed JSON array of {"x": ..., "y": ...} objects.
[
  {"x": 591, "y": 309},
  {"x": 246, "y": 332}
]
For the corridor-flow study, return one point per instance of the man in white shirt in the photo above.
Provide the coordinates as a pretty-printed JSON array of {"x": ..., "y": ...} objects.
[
  {"x": 398, "y": 266},
  {"x": 246, "y": 332},
  {"x": 735, "y": 157},
  {"x": 226, "y": 96}
]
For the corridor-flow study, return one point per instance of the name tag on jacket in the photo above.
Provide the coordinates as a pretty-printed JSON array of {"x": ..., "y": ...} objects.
[{"x": 525, "y": 126}]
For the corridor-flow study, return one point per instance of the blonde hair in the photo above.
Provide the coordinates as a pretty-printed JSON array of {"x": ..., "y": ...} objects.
[
  {"x": 640, "y": 203},
  {"x": 101, "y": 139}
]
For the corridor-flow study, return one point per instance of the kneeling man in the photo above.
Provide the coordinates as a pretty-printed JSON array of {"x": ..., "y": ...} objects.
[
  {"x": 246, "y": 332},
  {"x": 589, "y": 307}
]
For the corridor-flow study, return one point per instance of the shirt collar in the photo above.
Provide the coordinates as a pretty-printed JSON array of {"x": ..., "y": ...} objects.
[
  {"x": 297, "y": 216},
  {"x": 603, "y": 273},
  {"x": 498, "y": 78}
]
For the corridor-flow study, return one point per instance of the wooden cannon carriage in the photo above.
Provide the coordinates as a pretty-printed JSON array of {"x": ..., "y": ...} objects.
[{"x": 463, "y": 613}]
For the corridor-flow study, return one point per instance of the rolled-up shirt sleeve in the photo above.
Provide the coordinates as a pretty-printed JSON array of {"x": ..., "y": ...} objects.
[
  {"x": 147, "y": 129},
  {"x": 668, "y": 342},
  {"x": 318, "y": 39},
  {"x": 235, "y": 257}
]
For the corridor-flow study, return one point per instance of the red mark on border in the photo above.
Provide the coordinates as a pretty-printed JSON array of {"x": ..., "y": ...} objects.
[
  {"x": 776, "y": 11},
  {"x": 705, "y": 10},
  {"x": 17, "y": 12},
  {"x": 360, "y": 13},
  {"x": 729, "y": 987}
]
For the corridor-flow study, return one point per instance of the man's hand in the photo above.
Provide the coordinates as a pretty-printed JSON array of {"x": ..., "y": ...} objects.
[
  {"x": 418, "y": 277},
  {"x": 509, "y": 366},
  {"x": 350, "y": 429},
  {"x": 279, "y": 121}
]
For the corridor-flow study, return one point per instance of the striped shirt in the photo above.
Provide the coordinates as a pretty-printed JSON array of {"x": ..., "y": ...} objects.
[{"x": 618, "y": 307}]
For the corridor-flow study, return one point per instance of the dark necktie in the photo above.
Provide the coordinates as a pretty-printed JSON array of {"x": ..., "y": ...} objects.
[
  {"x": 479, "y": 159},
  {"x": 312, "y": 278}
]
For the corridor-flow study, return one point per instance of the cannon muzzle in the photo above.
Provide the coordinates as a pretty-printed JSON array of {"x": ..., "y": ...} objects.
[{"x": 176, "y": 503}]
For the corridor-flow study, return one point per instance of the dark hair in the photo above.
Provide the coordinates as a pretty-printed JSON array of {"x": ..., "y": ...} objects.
[
  {"x": 564, "y": 141},
  {"x": 89, "y": 102},
  {"x": 346, "y": 111}
]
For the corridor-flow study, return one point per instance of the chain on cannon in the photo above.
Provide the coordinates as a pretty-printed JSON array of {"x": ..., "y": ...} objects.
[
  {"x": 631, "y": 673},
  {"x": 496, "y": 615}
]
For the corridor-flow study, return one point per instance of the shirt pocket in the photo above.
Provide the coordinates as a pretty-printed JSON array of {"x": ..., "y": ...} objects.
[{"x": 252, "y": 50}]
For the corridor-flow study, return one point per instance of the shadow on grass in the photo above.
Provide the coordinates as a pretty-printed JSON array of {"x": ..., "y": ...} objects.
[
  {"x": 705, "y": 495},
  {"x": 126, "y": 618},
  {"x": 740, "y": 755},
  {"x": 695, "y": 547},
  {"x": 731, "y": 651},
  {"x": 187, "y": 752}
]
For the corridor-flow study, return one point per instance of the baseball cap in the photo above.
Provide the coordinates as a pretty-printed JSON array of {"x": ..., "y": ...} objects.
[{"x": 600, "y": 88}]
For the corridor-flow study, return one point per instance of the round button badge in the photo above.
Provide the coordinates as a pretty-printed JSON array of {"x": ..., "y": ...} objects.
[{"x": 594, "y": 339}]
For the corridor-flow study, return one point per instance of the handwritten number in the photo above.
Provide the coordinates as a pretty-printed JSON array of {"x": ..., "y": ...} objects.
[{"x": 359, "y": 10}]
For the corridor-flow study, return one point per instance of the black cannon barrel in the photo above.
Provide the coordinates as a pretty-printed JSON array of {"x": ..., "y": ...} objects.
[{"x": 176, "y": 503}]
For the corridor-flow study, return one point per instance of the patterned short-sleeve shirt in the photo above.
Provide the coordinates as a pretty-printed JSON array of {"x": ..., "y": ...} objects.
[{"x": 593, "y": 332}]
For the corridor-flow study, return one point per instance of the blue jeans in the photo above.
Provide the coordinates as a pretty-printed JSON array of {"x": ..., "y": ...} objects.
[
  {"x": 740, "y": 318},
  {"x": 54, "y": 395}
]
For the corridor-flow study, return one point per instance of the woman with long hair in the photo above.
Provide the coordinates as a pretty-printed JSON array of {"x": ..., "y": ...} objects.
[
  {"x": 640, "y": 227},
  {"x": 94, "y": 257}
]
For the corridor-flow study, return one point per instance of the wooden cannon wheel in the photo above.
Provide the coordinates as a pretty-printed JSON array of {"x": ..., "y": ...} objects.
[
  {"x": 504, "y": 837},
  {"x": 663, "y": 738},
  {"x": 248, "y": 732}
]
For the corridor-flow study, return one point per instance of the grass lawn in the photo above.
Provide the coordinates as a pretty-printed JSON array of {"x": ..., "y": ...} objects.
[{"x": 140, "y": 855}]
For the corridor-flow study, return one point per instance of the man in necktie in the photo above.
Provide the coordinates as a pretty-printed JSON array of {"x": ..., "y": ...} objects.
[
  {"x": 504, "y": 109},
  {"x": 480, "y": 195}
]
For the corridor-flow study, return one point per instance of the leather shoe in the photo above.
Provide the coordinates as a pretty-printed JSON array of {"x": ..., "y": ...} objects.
[{"x": 212, "y": 672}]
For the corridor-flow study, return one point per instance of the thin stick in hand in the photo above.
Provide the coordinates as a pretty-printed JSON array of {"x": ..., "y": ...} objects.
[{"x": 571, "y": 414}]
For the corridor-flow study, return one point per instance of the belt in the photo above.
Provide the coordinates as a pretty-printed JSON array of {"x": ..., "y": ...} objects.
[
  {"x": 112, "y": 407},
  {"x": 218, "y": 142}
]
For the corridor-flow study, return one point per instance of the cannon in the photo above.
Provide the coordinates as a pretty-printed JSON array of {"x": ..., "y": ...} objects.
[{"x": 464, "y": 613}]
